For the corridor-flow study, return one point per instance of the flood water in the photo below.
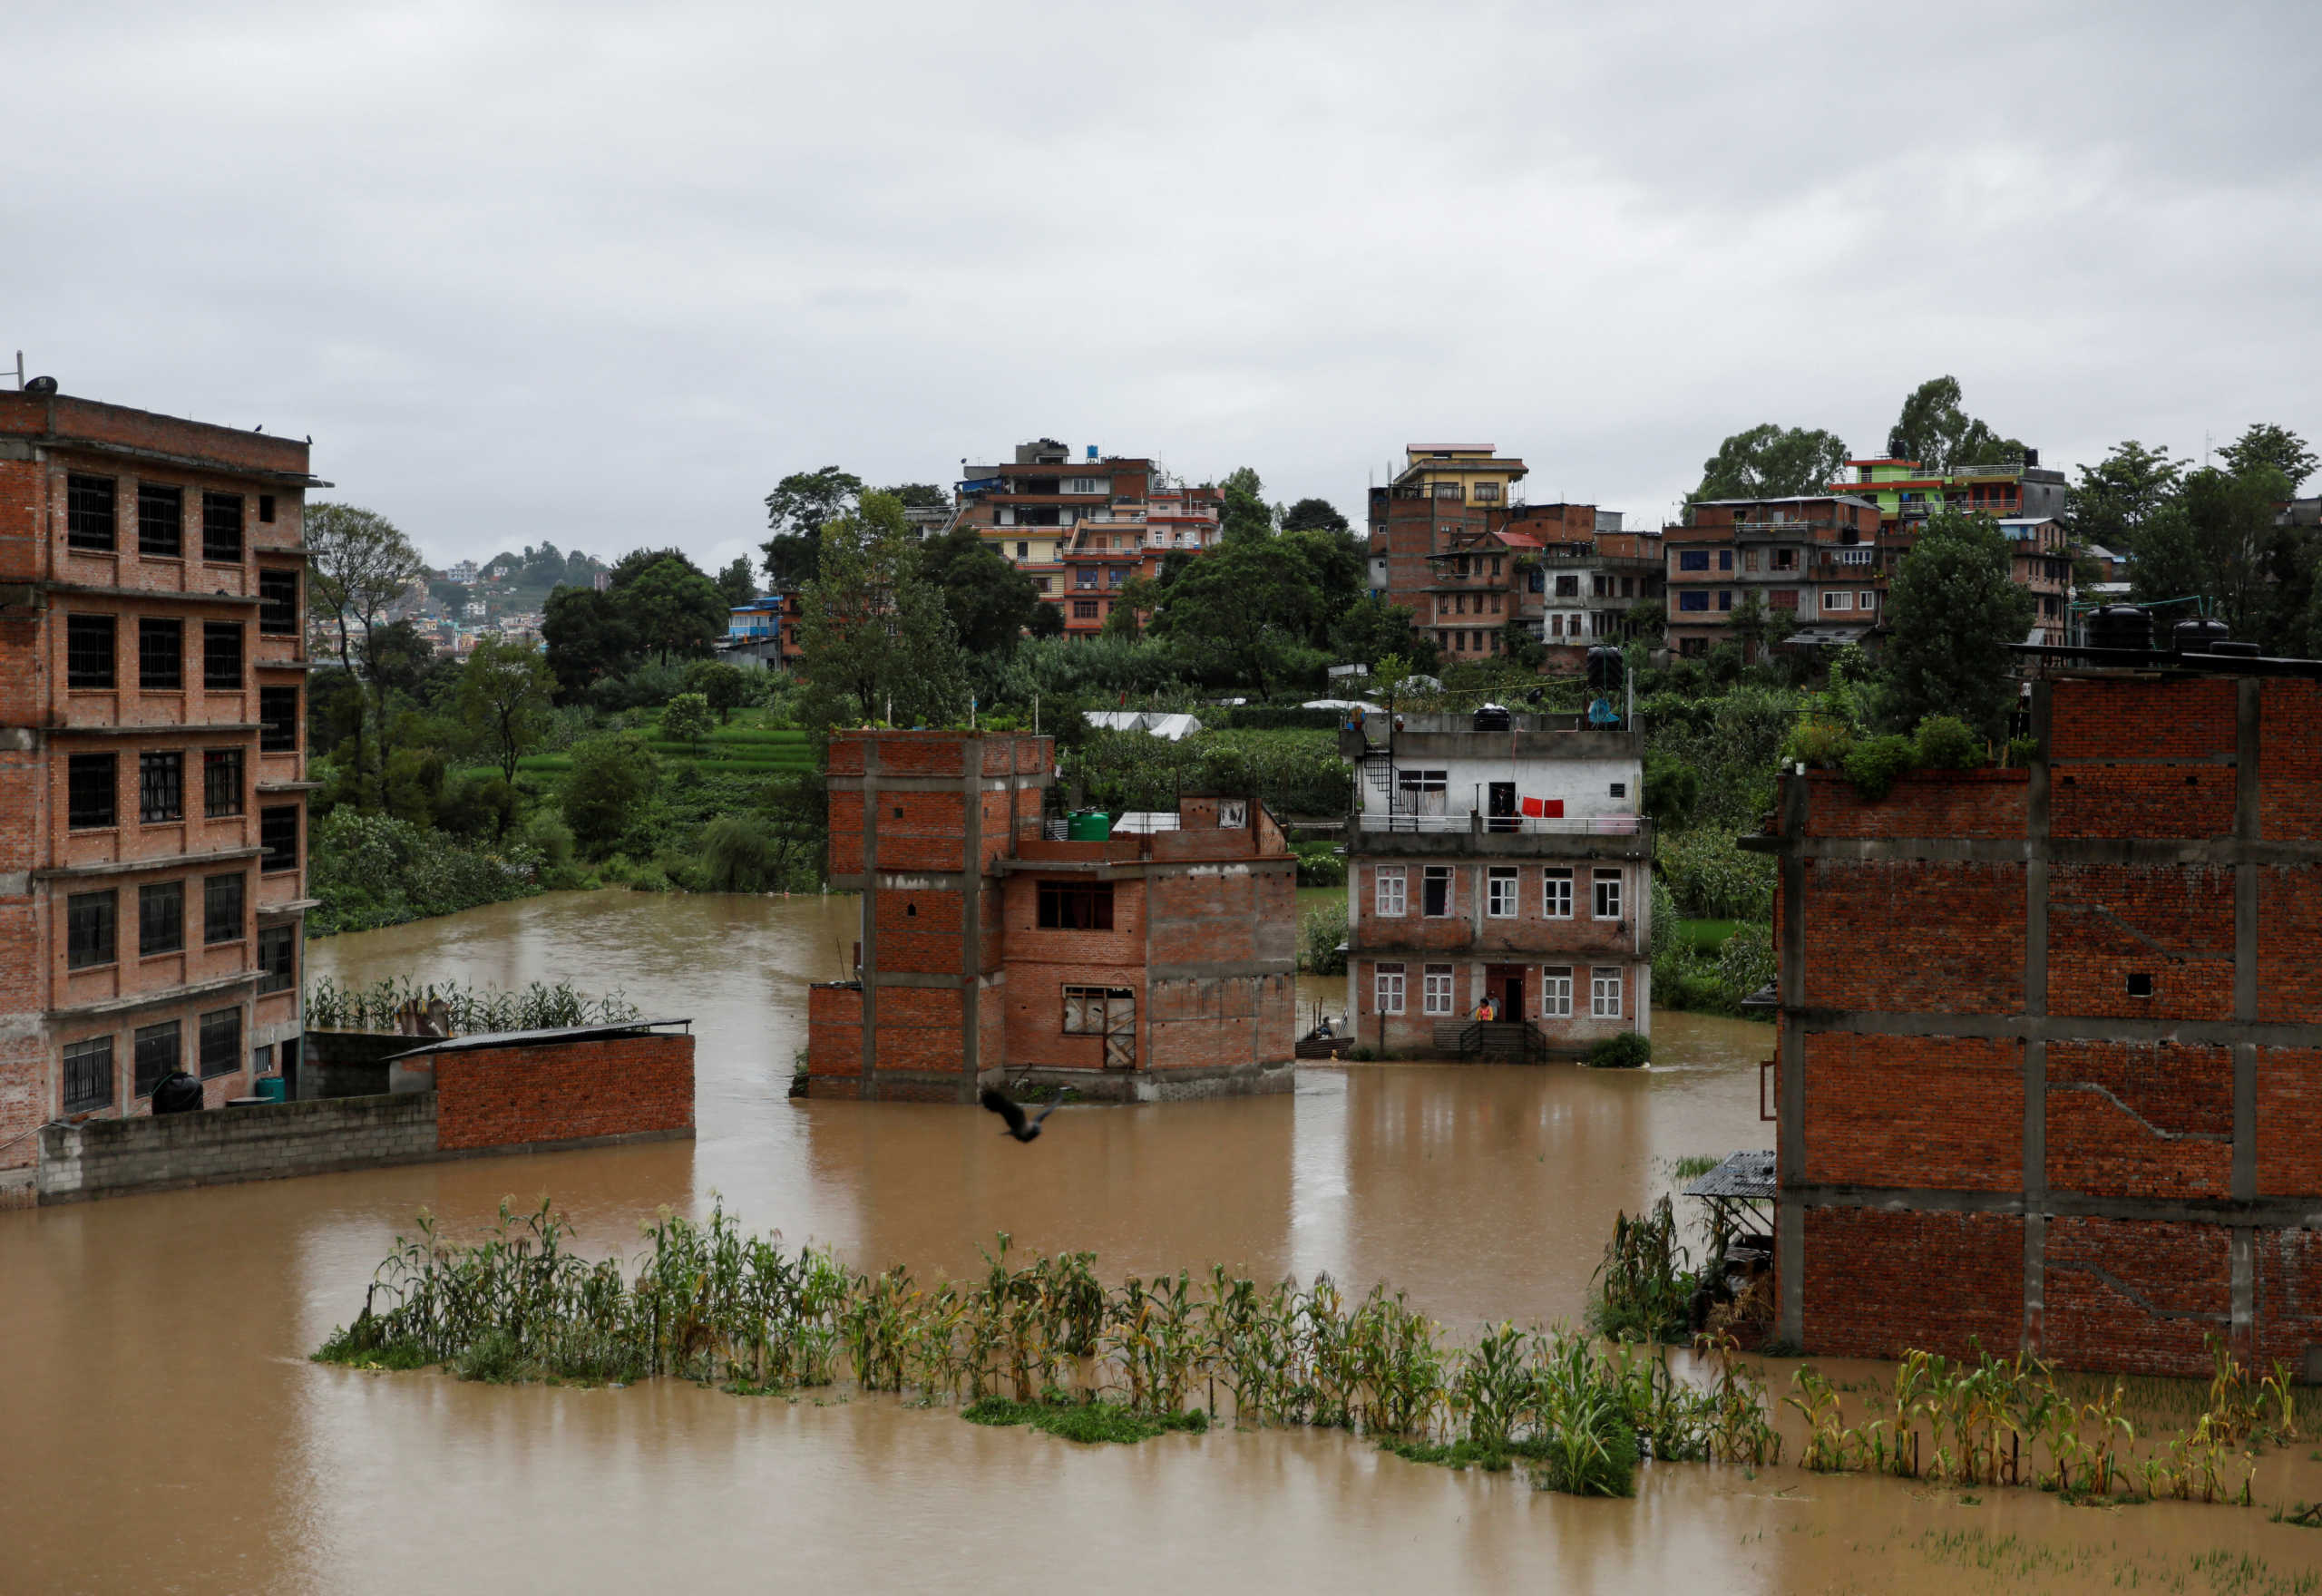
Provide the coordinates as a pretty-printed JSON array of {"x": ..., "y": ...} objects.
[{"x": 162, "y": 1430}]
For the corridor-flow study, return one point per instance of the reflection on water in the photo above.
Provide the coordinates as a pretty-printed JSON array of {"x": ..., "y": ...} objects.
[{"x": 162, "y": 1429}]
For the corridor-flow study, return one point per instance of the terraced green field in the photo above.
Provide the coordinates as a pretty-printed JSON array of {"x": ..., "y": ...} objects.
[{"x": 746, "y": 747}]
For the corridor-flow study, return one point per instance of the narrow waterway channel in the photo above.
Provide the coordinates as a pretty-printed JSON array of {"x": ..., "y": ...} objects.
[{"x": 162, "y": 1430}]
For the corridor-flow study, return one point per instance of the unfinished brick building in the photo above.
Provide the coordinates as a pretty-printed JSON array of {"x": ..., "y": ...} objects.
[
  {"x": 2049, "y": 1071},
  {"x": 1141, "y": 967},
  {"x": 152, "y": 663}
]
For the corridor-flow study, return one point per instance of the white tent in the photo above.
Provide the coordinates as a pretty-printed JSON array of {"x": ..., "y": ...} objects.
[{"x": 1168, "y": 727}]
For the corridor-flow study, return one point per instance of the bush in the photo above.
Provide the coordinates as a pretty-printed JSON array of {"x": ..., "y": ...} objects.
[
  {"x": 1626, "y": 1051},
  {"x": 1747, "y": 961},
  {"x": 1320, "y": 864},
  {"x": 373, "y": 870},
  {"x": 1822, "y": 745},
  {"x": 688, "y": 718},
  {"x": 1946, "y": 742},
  {"x": 614, "y": 773},
  {"x": 1711, "y": 877},
  {"x": 737, "y": 855},
  {"x": 1872, "y": 766},
  {"x": 1322, "y": 937}
]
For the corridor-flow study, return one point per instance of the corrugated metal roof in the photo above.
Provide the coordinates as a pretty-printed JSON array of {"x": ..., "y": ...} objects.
[
  {"x": 1742, "y": 1175},
  {"x": 536, "y": 1038}
]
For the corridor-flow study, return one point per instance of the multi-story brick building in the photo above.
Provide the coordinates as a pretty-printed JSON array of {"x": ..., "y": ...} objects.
[
  {"x": 2041, "y": 563},
  {"x": 1148, "y": 966},
  {"x": 1812, "y": 562},
  {"x": 1511, "y": 864},
  {"x": 1906, "y": 492},
  {"x": 152, "y": 665},
  {"x": 2049, "y": 1066}
]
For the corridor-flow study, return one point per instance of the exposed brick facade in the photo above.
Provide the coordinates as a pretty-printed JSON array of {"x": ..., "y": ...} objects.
[
  {"x": 621, "y": 1086},
  {"x": 2046, "y": 1073}
]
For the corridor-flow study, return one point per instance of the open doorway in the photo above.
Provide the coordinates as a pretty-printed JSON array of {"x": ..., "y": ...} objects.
[{"x": 1506, "y": 983}]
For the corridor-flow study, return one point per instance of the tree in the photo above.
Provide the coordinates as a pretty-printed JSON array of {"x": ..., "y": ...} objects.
[
  {"x": 505, "y": 692},
  {"x": 1246, "y": 513},
  {"x": 1238, "y": 611},
  {"x": 1753, "y": 626},
  {"x": 588, "y": 639},
  {"x": 1315, "y": 515},
  {"x": 1770, "y": 461},
  {"x": 1934, "y": 430},
  {"x": 1522, "y": 645},
  {"x": 360, "y": 566},
  {"x": 1336, "y": 569},
  {"x": 726, "y": 687},
  {"x": 1371, "y": 628},
  {"x": 669, "y": 607},
  {"x": 990, "y": 601},
  {"x": 1672, "y": 788},
  {"x": 1133, "y": 607},
  {"x": 2117, "y": 497},
  {"x": 736, "y": 585},
  {"x": 1048, "y": 620},
  {"x": 2219, "y": 542},
  {"x": 2277, "y": 448},
  {"x": 1955, "y": 615},
  {"x": 919, "y": 496},
  {"x": 686, "y": 718},
  {"x": 801, "y": 504},
  {"x": 874, "y": 634},
  {"x": 613, "y": 775}
]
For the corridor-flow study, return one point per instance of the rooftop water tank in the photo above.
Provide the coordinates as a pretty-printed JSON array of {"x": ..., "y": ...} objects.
[
  {"x": 1089, "y": 825},
  {"x": 2120, "y": 626},
  {"x": 2195, "y": 637},
  {"x": 1492, "y": 718}
]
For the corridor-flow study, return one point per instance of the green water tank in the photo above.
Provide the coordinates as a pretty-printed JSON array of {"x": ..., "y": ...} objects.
[
  {"x": 268, "y": 1088},
  {"x": 1089, "y": 825}
]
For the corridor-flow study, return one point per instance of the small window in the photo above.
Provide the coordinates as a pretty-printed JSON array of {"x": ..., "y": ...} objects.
[
  {"x": 221, "y": 527},
  {"x": 1838, "y": 601},
  {"x": 1695, "y": 600},
  {"x": 89, "y": 930},
  {"x": 1620, "y": 789},
  {"x": 1023, "y": 551},
  {"x": 266, "y": 509},
  {"x": 1076, "y": 906},
  {"x": 277, "y": 603},
  {"x": 1725, "y": 598},
  {"x": 1435, "y": 991},
  {"x": 160, "y": 521},
  {"x": 1869, "y": 601},
  {"x": 278, "y": 833},
  {"x": 161, "y": 655},
  {"x": 160, "y": 919},
  {"x": 1608, "y": 894},
  {"x": 89, "y": 517},
  {"x": 1692, "y": 560},
  {"x": 1556, "y": 994},
  {"x": 1389, "y": 891},
  {"x": 1725, "y": 560},
  {"x": 161, "y": 787},
  {"x": 222, "y": 910},
  {"x": 1421, "y": 792},
  {"x": 88, "y": 650},
  {"x": 221, "y": 655},
  {"x": 221, "y": 1043},
  {"x": 160, "y": 1051},
  {"x": 1604, "y": 994},
  {"x": 1556, "y": 894},
  {"x": 221, "y": 783},
  {"x": 278, "y": 958},
  {"x": 88, "y": 1074},
  {"x": 1100, "y": 1011},
  {"x": 1084, "y": 609},
  {"x": 1388, "y": 988},
  {"x": 91, "y": 791},
  {"x": 1500, "y": 900},
  {"x": 1435, "y": 901},
  {"x": 278, "y": 718},
  {"x": 2141, "y": 984}
]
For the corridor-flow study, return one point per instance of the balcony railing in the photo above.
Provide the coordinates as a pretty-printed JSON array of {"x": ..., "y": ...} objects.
[{"x": 1582, "y": 825}]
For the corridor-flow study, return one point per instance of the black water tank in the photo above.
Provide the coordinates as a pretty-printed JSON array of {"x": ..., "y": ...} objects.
[
  {"x": 2120, "y": 626},
  {"x": 2195, "y": 637},
  {"x": 177, "y": 1094},
  {"x": 1606, "y": 668},
  {"x": 1491, "y": 717}
]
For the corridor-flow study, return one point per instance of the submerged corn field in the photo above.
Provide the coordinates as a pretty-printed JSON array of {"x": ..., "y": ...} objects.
[{"x": 1042, "y": 1340}]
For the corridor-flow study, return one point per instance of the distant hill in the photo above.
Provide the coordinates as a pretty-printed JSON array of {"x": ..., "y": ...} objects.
[{"x": 541, "y": 568}]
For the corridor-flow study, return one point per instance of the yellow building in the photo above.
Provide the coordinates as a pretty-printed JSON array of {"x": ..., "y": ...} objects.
[{"x": 1462, "y": 473}]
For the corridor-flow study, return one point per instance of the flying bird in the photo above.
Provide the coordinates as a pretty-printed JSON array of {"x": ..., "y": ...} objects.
[{"x": 1022, "y": 1129}]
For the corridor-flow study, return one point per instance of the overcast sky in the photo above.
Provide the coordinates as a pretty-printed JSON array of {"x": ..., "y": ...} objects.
[{"x": 602, "y": 274}]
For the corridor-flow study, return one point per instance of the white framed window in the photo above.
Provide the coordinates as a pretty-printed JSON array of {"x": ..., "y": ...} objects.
[
  {"x": 1556, "y": 994},
  {"x": 1435, "y": 991},
  {"x": 1608, "y": 894},
  {"x": 1500, "y": 902},
  {"x": 1866, "y": 600},
  {"x": 1435, "y": 899},
  {"x": 1387, "y": 891},
  {"x": 1605, "y": 993},
  {"x": 1556, "y": 894},
  {"x": 1389, "y": 989},
  {"x": 1838, "y": 601},
  {"x": 1420, "y": 792}
]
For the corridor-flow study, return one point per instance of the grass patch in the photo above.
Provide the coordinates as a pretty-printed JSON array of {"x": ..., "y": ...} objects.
[
  {"x": 1088, "y": 1422},
  {"x": 343, "y": 1349},
  {"x": 1464, "y": 1454},
  {"x": 1706, "y": 937}
]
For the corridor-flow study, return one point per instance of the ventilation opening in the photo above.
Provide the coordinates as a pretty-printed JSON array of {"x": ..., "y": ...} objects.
[
  {"x": 2140, "y": 985},
  {"x": 899, "y": 811},
  {"x": 911, "y": 911}
]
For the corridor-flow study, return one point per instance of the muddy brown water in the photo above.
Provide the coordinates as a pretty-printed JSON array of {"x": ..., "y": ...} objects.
[{"x": 162, "y": 1430}]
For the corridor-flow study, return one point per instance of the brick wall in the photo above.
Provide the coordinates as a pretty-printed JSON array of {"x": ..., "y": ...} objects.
[
  {"x": 1914, "y": 1111},
  {"x": 1877, "y": 1284},
  {"x": 574, "y": 1091}
]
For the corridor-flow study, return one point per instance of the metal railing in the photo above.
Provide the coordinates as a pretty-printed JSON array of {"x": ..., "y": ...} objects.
[{"x": 1577, "y": 825}]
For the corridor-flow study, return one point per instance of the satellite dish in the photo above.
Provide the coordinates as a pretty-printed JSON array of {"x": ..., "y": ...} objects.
[{"x": 40, "y": 386}]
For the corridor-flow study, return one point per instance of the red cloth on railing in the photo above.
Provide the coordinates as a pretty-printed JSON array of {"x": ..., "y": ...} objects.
[{"x": 1544, "y": 808}]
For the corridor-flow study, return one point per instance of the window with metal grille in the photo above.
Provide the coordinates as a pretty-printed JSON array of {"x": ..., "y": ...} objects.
[
  {"x": 92, "y": 791},
  {"x": 1556, "y": 994},
  {"x": 1388, "y": 988},
  {"x": 161, "y": 655},
  {"x": 222, "y": 910},
  {"x": 160, "y": 919},
  {"x": 278, "y": 718},
  {"x": 221, "y": 655},
  {"x": 277, "y": 603},
  {"x": 1435, "y": 993},
  {"x": 1076, "y": 906},
  {"x": 161, "y": 787},
  {"x": 221, "y": 527},
  {"x": 88, "y": 651},
  {"x": 221, "y": 1042},
  {"x": 160, "y": 521},
  {"x": 88, "y": 1074},
  {"x": 88, "y": 929},
  {"x": 160, "y": 1049},
  {"x": 278, "y": 833},
  {"x": 89, "y": 518},
  {"x": 278, "y": 958},
  {"x": 1084, "y": 609},
  {"x": 221, "y": 782}
]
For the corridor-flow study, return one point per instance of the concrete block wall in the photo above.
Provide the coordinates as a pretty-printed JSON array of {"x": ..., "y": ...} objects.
[{"x": 106, "y": 1157}]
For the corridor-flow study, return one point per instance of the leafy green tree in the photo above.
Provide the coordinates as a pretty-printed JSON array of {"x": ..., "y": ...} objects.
[
  {"x": 919, "y": 496},
  {"x": 1315, "y": 515},
  {"x": 2265, "y": 445},
  {"x": 687, "y": 718},
  {"x": 1047, "y": 620},
  {"x": 1371, "y": 628},
  {"x": 1955, "y": 615},
  {"x": 589, "y": 638},
  {"x": 1937, "y": 431},
  {"x": 2219, "y": 542},
  {"x": 1754, "y": 626},
  {"x": 801, "y": 504},
  {"x": 726, "y": 687},
  {"x": 671, "y": 608},
  {"x": 1335, "y": 570},
  {"x": 1246, "y": 513},
  {"x": 874, "y": 631},
  {"x": 1770, "y": 461},
  {"x": 360, "y": 565},
  {"x": 736, "y": 584},
  {"x": 505, "y": 691},
  {"x": 2116, "y": 498},
  {"x": 1672, "y": 788},
  {"x": 614, "y": 776},
  {"x": 1133, "y": 607},
  {"x": 1521, "y": 646},
  {"x": 1239, "y": 612},
  {"x": 990, "y": 601}
]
